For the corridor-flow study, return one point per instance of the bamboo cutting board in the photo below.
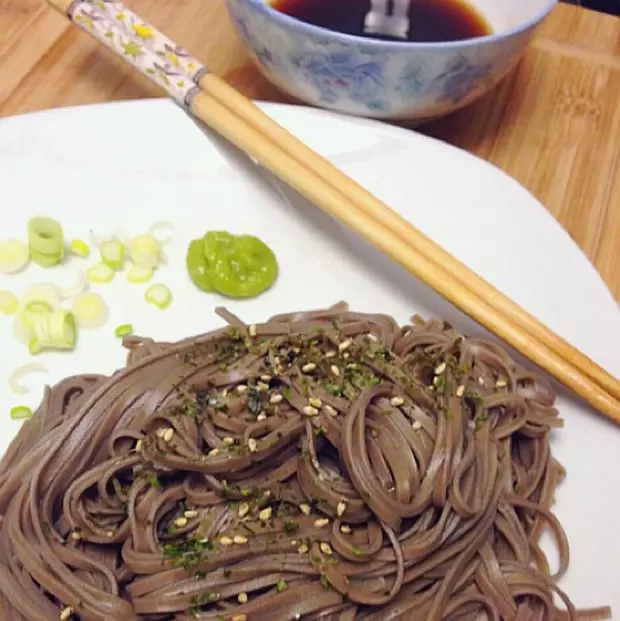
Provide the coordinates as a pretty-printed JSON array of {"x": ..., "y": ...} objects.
[{"x": 553, "y": 124}]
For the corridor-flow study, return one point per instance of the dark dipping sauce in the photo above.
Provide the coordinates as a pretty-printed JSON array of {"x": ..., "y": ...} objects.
[{"x": 431, "y": 21}]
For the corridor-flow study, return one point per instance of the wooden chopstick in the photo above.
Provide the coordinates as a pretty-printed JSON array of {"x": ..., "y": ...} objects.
[{"x": 237, "y": 119}]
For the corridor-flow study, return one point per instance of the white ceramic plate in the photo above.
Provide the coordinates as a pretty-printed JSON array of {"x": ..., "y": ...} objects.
[{"x": 122, "y": 167}]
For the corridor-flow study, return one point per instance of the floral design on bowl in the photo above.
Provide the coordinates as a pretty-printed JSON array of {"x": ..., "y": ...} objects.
[
  {"x": 339, "y": 73},
  {"x": 377, "y": 78}
]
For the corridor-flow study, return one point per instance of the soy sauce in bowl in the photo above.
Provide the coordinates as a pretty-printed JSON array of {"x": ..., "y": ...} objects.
[{"x": 431, "y": 21}]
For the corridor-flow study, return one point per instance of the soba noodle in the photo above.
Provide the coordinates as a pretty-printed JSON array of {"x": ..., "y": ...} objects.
[{"x": 323, "y": 465}]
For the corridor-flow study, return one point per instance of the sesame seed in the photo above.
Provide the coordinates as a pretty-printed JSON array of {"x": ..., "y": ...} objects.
[
  {"x": 224, "y": 393},
  {"x": 168, "y": 435},
  {"x": 252, "y": 445},
  {"x": 308, "y": 367},
  {"x": 460, "y": 391},
  {"x": 261, "y": 417},
  {"x": 265, "y": 378},
  {"x": 243, "y": 598},
  {"x": 344, "y": 345},
  {"x": 275, "y": 399},
  {"x": 240, "y": 618},
  {"x": 305, "y": 508},
  {"x": 481, "y": 381},
  {"x": 471, "y": 424},
  {"x": 191, "y": 514},
  {"x": 345, "y": 355},
  {"x": 181, "y": 522},
  {"x": 441, "y": 368},
  {"x": 341, "y": 508},
  {"x": 326, "y": 548},
  {"x": 240, "y": 539},
  {"x": 138, "y": 446},
  {"x": 265, "y": 514},
  {"x": 302, "y": 549},
  {"x": 213, "y": 452},
  {"x": 501, "y": 383},
  {"x": 397, "y": 401},
  {"x": 66, "y": 613},
  {"x": 417, "y": 425},
  {"x": 110, "y": 534},
  {"x": 345, "y": 528},
  {"x": 244, "y": 509},
  {"x": 321, "y": 522},
  {"x": 242, "y": 388},
  {"x": 335, "y": 370},
  {"x": 228, "y": 441},
  {"x": 252, "y": 330},
  {"x": 226, "y": 541},
  {"x": 262, "y": 387},
  {"x": 315, "y": 402},
  {"x": 330, "y": 410},
  {"x": 330, "y": 354},
  {"x": 308, "y": 410},
  {"x": 76, "y": 535},
  {"x": 160, "y": 432}
]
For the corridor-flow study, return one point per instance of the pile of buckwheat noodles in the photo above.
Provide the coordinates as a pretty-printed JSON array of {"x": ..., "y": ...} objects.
[{"x": 323, "y": 465}]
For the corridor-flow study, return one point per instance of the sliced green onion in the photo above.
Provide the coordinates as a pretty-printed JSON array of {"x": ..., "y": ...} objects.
[
  {"x": 41, "y": 292},
  {"x": 145, "y": 251},
  {"x": 14, "y": 256},
  {"x": 38, "y": 306},
  {"x": 100, "y": 273},
  {"x": 113, "y": 254},
  {"x": 72, "y": 290},
  {"x": 55, "y": 330},
  {"x": 22, "y": 331},
  {"x": 125, "y": 330},
  {"x": 79, "y": 248},
  {"x": 46, "y": 241},
  {"x": 90, "y": 311},
  {"x": 139, "y": 275},
  {"x": 21, "y": 372},
  {"x": 35, "y": 347},
  {"x": 159, "y": 295},
  {"x": 8, "y": 302},
  {"x": 21, "y": 412},
  {"x": 38, "y": 300},
  {"x": 163, "y": 225}
]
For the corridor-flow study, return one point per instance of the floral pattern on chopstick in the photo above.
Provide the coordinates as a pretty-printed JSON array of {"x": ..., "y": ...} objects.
[
  {"x": 157, "y": 42},
  {"x": 161, "y": 69}
]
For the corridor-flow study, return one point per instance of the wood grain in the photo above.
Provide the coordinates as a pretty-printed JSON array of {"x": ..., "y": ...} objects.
[{"x": 553, "y": 124}]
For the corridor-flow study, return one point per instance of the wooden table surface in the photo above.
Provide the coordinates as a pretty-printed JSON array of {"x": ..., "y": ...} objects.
[{"x": 554, "y": 124}]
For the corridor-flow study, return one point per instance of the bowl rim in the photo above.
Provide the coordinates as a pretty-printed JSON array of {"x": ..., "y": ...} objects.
[{"x": 311, "y": 29}]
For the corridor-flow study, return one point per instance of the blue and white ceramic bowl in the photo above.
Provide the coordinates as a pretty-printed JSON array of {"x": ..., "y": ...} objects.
[{"x": 384, "y": 79}]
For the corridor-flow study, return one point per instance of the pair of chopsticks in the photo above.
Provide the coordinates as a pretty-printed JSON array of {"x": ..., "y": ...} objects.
[{"x": 228, "y": 112}]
